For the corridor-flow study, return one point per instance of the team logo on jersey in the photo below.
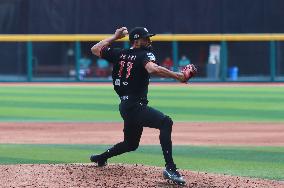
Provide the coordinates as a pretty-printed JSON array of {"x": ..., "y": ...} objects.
[
  {"x": 151, "y": 57},
  {"x": 117, "y": 82}
]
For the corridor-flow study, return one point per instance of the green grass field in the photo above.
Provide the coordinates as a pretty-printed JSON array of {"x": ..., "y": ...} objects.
[
  {"x": 263, "y": 162},
  {"x": 100, "y": 104}
]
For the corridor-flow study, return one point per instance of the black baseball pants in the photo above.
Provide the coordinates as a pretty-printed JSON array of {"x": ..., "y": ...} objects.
[{"x": 136, "y": 115}]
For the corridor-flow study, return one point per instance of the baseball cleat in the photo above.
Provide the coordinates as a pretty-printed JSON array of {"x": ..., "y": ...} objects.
[
  {"x": 97, "y": 159},
  {"x": 173, "y": 176}
]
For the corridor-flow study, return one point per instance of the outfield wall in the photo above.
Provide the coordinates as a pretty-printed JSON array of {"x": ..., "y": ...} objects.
[{"x": 242, "y": 57}]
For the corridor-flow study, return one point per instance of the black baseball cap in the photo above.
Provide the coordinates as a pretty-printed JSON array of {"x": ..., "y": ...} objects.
[{"x": 139, "y": 32}]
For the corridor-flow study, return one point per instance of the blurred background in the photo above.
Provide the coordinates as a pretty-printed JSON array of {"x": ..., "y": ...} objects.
[{"x": 256, "y": 52}]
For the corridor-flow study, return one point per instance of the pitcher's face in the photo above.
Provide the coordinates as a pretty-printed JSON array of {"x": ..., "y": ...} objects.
[{"x": 144, "y": 42}]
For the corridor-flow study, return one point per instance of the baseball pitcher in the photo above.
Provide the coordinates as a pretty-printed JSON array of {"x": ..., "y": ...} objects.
[{"x": 131, "y": 72}]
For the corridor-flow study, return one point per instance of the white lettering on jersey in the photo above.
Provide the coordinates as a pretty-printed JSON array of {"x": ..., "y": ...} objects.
[
  {"x": 117, "y": 82},
  {"x": 122, "y": 56},
  {"x": 133, "y": 57},
  {"x": 130, "y": 57},
  {"x": 151, "y": 57},
  {"x": 125, "y": 83}
]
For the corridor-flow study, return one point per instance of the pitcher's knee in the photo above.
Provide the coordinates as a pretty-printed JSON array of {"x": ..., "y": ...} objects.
[
  {"x": 167, "y": 123},
  {"x": 166, "y": 129},
  {"x": 132, "y": 146}
]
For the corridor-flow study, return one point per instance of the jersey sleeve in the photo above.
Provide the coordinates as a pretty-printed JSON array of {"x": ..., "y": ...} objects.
[
  {"x": 110, "y": 54},
  {"x": 149, "y": 57}
]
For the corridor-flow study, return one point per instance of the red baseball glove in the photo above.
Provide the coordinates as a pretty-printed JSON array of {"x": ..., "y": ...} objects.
[{"x": 188, "y": 71}]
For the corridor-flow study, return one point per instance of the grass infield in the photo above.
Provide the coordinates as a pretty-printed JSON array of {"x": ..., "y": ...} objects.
[{"x": 100, "y": 103}]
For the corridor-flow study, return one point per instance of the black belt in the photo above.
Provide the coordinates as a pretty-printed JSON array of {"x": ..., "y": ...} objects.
[
  {"x": 131, "y": 97},
  {"x": 123, "y": 98}
]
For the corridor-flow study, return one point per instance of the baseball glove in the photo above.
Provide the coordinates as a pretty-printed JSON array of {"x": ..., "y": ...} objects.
[{"x": 188, "y": 71}]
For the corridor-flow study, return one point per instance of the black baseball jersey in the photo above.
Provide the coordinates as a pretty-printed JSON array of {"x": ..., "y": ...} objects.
[{"x": 130, "y": 78}]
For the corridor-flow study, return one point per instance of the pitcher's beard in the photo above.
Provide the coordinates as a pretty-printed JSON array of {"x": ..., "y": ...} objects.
[{"x": 148, "y": 47}]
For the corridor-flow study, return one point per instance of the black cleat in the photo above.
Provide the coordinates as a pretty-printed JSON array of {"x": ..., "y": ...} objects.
[
  {"x": 173, "y": 176},
  {"x": 97, "y": 159}
]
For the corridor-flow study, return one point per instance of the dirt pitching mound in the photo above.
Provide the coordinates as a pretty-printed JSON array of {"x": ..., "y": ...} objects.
[{"x": 114, "y": 175}]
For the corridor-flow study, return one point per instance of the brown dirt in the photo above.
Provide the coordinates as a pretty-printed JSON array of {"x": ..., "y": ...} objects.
[
  {"x": 255, "y": 134},
  {"x": 118, "y": 175}
]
